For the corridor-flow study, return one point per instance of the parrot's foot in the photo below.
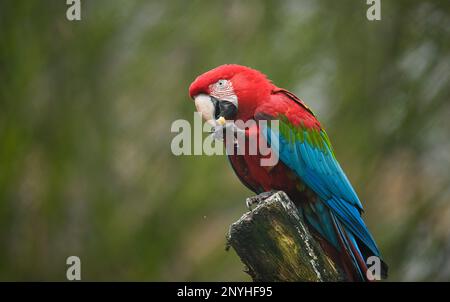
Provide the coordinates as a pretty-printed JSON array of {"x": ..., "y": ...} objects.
[{"x": 252, "y": 200}]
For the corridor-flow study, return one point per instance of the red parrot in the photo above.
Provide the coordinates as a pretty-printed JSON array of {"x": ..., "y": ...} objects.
[{"x": 307, "y": 170}]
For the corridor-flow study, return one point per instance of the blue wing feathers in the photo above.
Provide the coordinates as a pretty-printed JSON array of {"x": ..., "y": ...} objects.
[{"x": 320, "y": 171}]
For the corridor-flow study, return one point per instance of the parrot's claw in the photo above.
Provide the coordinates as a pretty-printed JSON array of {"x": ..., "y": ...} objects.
[{"x": 252, "y": 200}]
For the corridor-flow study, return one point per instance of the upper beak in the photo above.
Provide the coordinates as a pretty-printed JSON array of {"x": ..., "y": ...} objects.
[{"x": 213, "y": 109}]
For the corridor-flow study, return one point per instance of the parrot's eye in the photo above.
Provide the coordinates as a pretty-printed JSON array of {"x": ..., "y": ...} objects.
[
  {"x": 222, "y": 90},
  {"x": 221, "y": 84}
]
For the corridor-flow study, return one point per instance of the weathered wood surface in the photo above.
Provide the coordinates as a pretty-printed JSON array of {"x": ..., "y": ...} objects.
[{"x": 275, "y": 244}]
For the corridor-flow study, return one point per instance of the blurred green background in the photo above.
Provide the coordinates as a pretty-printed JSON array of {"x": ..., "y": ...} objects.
[{"x": 86, "y": 108}]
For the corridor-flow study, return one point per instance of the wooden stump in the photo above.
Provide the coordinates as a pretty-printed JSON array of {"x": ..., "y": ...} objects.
[{"x": 275, "y": 244}]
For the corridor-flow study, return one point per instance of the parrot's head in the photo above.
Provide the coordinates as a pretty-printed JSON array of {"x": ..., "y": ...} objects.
[{"x": 229, "y": 92}]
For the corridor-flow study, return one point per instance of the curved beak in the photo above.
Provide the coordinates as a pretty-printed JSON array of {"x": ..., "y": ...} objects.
[{"x": 213, "y": 109}]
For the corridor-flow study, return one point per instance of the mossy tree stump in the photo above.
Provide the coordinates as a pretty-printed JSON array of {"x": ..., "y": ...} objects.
[{"x": 275, "y": 244}]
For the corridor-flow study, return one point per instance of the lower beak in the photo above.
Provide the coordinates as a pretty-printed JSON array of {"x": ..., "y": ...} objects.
[{"x": 224, "y": 109}]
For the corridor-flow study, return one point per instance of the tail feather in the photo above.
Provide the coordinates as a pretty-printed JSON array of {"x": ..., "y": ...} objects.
[
  {"x": 349, "y": 250},
  {"x": 352, "y": 253},
  {"x": 361, "y": 254}
]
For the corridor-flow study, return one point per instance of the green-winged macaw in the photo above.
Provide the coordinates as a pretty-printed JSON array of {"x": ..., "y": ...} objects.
[{"x": 307, "y": 170}]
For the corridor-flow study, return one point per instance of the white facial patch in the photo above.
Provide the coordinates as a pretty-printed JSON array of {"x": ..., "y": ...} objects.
[{"x": 223, "y": 90}]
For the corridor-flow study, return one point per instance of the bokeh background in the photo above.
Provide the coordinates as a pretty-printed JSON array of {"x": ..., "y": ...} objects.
[{"x": 86, "y": 108}]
